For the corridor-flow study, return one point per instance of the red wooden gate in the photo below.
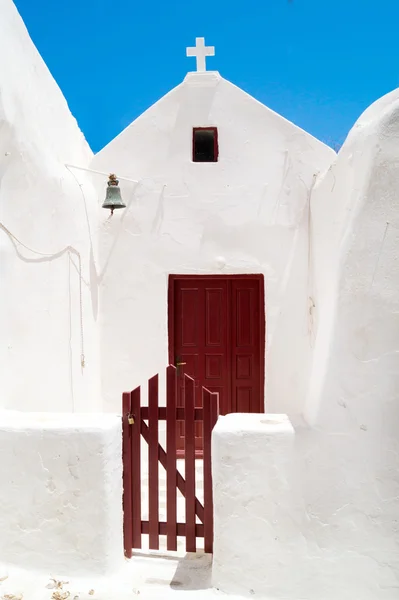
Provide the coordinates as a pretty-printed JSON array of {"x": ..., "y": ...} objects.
[{"x": 134, "y": 427}]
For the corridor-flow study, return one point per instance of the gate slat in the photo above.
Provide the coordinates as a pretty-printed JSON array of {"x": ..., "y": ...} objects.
[
  {"x": 181, "y": 529},
  {"x": 211, "y": 410},
  {"x": 179, "y": 413},
  {"x": 189, "y": 456},
  {"x": 153, "y": 474},
  {"x": 136, "y": 469},
  {"x": 127, "y": 476},
  {"x": 171, "y": 474}
]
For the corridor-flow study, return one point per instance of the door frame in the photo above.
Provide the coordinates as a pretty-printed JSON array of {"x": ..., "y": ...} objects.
[{"x": 262, "y": 321}]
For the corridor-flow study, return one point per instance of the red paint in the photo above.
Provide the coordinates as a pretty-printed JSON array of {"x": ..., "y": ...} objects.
[
  {"x": 189, "y": 463},
  {"x": 247, "y": 322},
  {"x": 171, "y": 500},
  {"x": 134, "y": 526},
  {"x": 153, "y": 475},
  {"x": 217, "y": 328},
  {"x": 215, "y": 142},
  {"x": 201, "y": 341},
  {"x": 127, "y": 476},
  {"x": 136, "y": 468},
  {"x": 211, "y": 412}
]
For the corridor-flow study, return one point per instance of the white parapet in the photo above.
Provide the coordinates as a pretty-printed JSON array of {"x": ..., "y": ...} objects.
[
  {"x": 304, "y": 514},
  {"x": 253, "y": 499},
  {"x": 61, "y": 492}
]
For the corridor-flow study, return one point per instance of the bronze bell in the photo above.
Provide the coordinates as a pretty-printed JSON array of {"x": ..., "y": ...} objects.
[{"x": 113, "y": 198}]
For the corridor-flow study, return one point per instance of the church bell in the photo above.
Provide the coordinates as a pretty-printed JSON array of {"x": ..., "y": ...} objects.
[{"x": 113, "y": 198}]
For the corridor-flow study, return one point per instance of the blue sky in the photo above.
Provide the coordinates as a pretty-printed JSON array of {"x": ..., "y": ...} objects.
[{"x": 319, "y": 63}]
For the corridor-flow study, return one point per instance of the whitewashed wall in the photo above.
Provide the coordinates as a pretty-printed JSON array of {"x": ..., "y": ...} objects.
[
  {"x": 355, "y": 245},
  {"x": 44, "y": 207},
  {"x": 354, "y": 395},
  {"x": 61, "y": 492},
  {"x": 248, "y": 213},
  {"x": 302, "y": 514}
]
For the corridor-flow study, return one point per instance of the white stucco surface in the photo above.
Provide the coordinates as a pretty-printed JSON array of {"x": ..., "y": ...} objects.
[
  {"x": 302, "y": 515},
  {"x": 355, "y": 245},
  {"x": 310, "y": 514},
  {"x": 61, "y": 492},
  {"x": 43, "y": 331},
  {"x": 353, "y": 401},
  {"x": 149, "y": 577},
  {"x": 247, "y": 213},
  {"x": 252, "y": 460}
]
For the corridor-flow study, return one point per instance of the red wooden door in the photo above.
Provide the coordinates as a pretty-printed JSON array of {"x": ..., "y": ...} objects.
[{"x": 216, "y": 330}]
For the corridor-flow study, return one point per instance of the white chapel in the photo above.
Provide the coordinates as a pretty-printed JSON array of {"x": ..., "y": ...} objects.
[
  {"x": 242, "y": 209},
  {"x": 247, "y": 251}
]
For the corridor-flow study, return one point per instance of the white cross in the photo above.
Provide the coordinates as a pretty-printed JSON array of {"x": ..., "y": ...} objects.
[{"x": 200, "y": 51}]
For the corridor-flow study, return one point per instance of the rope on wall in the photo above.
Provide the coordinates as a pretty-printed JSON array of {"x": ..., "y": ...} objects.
[{"x": 70, "y": 250}]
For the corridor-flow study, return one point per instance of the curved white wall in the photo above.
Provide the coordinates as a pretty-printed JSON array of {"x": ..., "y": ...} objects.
[
  {"x": 44, "y": 207},
  {"x": 356, "y": 277},
  {"x": 61, "y": 492},
  {"x": 250, "y": 208},
  {"x": 354, "y": 396}
]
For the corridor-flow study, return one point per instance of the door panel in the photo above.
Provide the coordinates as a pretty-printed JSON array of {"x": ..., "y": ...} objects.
[
  {"x": 216, "y": 354},
  {"x": 248, "y": 355},
  {"x": 201, "y": 341}
]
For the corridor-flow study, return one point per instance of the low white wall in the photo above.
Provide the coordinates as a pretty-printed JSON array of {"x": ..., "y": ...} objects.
[
  {"x": 251, "y": 455},
  {"x": 61, "y": 492},
  {"x": 302, "y": 514}
]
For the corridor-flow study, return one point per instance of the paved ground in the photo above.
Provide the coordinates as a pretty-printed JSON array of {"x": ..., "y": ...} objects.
[{"x": 144, "y": 577}]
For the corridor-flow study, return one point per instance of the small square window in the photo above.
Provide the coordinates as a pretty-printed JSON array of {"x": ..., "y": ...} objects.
[{"x": 205, "y": 144}]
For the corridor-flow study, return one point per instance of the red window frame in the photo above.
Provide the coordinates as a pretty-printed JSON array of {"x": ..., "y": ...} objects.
[{"x": 215, "y": 142}]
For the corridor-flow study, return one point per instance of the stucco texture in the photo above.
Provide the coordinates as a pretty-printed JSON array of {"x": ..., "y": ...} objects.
[
  {"x": 301, "y": 514},
  {"x": 61, "y": 493},
  {"x": 48, "y": 301}
]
